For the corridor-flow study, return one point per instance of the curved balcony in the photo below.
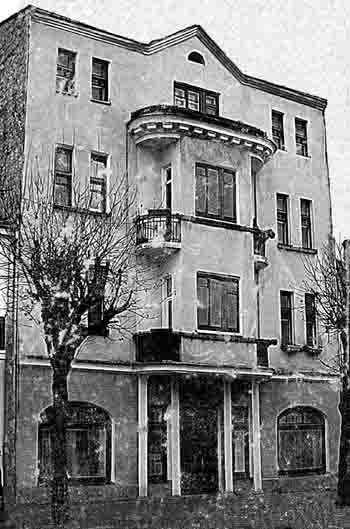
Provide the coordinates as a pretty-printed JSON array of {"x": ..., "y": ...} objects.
[
  {"x": 158, "y": 231},
  {"x": 157, "y": 126}
]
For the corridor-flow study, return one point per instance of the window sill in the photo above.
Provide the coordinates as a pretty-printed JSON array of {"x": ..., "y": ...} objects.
[
  {"x": 217, "y": 223},
  {"x": 293, "y": 348},
  {"x": 74, "y": 209},
  {"x": 299, "y": 249},
  {"x": 101, "y": 102},
  {"x": 303, "y": 155},
  {"x": 70, "y": 93}
]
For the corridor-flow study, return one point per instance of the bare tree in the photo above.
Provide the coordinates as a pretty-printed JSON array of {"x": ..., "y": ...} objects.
[
  {"x": 327, "y": 277},
  {"x": 76, "y": 272}
]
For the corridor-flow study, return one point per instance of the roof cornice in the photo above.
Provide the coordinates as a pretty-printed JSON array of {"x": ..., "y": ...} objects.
[{"x": 155, "y": 46}]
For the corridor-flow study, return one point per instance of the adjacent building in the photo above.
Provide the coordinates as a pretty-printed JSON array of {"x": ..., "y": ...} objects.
[{"x": 222, "y": 386}]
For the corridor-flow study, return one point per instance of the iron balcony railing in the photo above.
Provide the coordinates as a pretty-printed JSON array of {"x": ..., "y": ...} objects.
[
  {"x": 158, "y": 345},
  {"x": 158, "y": 226}
]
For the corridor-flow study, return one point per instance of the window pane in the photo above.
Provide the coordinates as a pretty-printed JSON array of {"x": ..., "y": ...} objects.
[
  {"x": 216, "y": 295},
  {"x": 203, "y": 301},
  {"x": 230, "y": 307},
  {"x": 179, "y": 97},
  {"x": 229, "y": 195},
  {"x": 86, "y": 452},
  {"x": 286, "y": 318},
  {"x": 239, "y": 443},
  {"x": 98, "y": 182},
  {"x": 201, "y": 186},
  {"x": 213, "y": 192},
  {"x": 305, "y": 210},
  {"x": 310, "y": 319},
  {"x": 282, "y": 219},
  {"x": 62, "y": 195},
  {"x": 193, "y": 100},
  {"x": 63, "y": 160}
]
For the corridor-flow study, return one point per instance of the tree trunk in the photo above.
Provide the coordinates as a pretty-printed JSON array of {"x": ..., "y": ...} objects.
[{"x": 59, "y": 482}]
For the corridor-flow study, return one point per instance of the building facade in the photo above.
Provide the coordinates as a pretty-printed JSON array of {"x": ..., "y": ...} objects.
[{"x": 222, "y": 386}]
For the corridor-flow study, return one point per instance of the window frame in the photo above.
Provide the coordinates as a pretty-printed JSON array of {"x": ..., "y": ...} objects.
[
  {"x": 96, "y": 311},
  {"x": 280, "y": 137},
  {"x": 310, "y": 324},
  {"x": 301, "y": 140},
  {"x": 107, "y": 64},
  {"x": 105, "y": 183},
  {"x": 202, "y": 94},
  {"x": 302, "y": 426},
  {"x": 290, "y": 320},
  {"x": 307, "y": 225},
  {"x": 65, "y": 174},
  {"x": 280, "y": 221},
  {"x": 221, "y": 194},
  {"x": 234, "y": 280},
  {"x": 70, "y": 79}
]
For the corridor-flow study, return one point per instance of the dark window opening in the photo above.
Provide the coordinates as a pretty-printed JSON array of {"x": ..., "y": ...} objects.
[
  {"x": 2, "y": 332},
  {"x": 65, "y": 73},
  {"x": 215, "y": 192},
  {"x": 98, "y": 182},
  {"x": 301, "y": 441},
  {"x": 99, "y": 80},
  {"x": 310, "y": 319},
  {"x": 282, "y": 218},
  {"x": 168, "y": 187},
  {"x": 277, "y": 129},
  {"x": 195, "y": 98},
  {"x": 286, "y": 318},
  {"x": 97, "y": 277},
  {"x": 301, "y": 137},
  {"x": 305, "y": 209},
  {"x": 218, "y": 303},
  {"x": 63, "y": 176},
  {"x": 194, "y": 56},
  {"x": 88, "y": 444}
]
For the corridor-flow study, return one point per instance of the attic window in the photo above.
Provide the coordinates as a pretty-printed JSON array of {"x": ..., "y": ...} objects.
[{"x": 194, "y": 56}]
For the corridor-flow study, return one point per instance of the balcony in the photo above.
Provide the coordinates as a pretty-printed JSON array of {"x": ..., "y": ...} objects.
[
  {"x": 260, "y": 238},
  {"x": 158, "y": 345},
  {"x": 157, "y": 126},
  {"x": 158, "y": 231}
]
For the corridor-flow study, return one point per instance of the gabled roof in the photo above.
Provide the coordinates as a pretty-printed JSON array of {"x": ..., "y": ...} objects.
[{"x": 154, "y": 46}]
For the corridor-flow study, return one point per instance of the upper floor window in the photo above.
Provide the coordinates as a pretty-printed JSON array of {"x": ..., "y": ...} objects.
[
  {"x": 167, "y": 306},
  {"x": 96, "y": 282},
  {"x": 305, "y": 211},
  {"x": 301, "y": 137},
  {"x": 282, "y": 218},
  {"x": 197, "y": 57},
  {"x": 195, "y": 98},
  {"x": 99, "y": 80},
  {"x": 98, "y": 182},
  {"x": 277, "y": 129},
  {"x": 65, "y": 73},
  {"x": 63, "y": 176},
  {"x": 310, "y": 320},
  {"x": 286, "y": 317},
  {"x": 215, "y": 192},
  {"x": 168, "y": 183},
  {"x": 218, "y": 303},
  {"x": 88, "y": 443},
  {"x": 301, "y": 441}
]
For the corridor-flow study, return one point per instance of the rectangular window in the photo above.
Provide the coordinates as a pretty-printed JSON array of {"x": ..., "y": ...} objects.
[
  {"x": 99, "y": 80},
  {"x": 305, "y": 210},
  {"x": 277, "y": 129},
  {"x": 97, "y": 281},
  {"x": 218, "y": 303},
  {"x": 215, "y": 192},
  {"x": 310, "y": 320},
  {"x": 65, "y": 72},
  {"x": 286, "y": 318},
  {"x": 301, "y": 137},
  {"x": 282, "y": 218},
  {"x": 2, "y": 333},
  {"x": 63, "y": 176},
  {"x": 167, "y": 305},
  {"x": 168, "y": 176},
  {"x": 98, "y": 182},
  {"x": 197, "y": 99}
]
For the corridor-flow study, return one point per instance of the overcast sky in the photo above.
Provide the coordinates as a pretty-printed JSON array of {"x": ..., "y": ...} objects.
[{"x": 303, "y": 44}]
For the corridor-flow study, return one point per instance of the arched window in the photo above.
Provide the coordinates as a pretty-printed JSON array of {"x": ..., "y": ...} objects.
[
  {"x": 88, "y": 438},
  {"x": 301, "y": 441},
  {"x": 194, "y": 56}
]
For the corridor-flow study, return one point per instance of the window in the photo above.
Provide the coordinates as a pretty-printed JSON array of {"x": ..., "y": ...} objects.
[
  {"x": 277, "y": 129},
  {"x": 167, "y": 312},
  {"x": 301, "y": 441},
  {"x": 286, "y": 318},
  {"x": 197, "y": 57},
  {"x": 282, "y": 218},
  {"x": 215, "y": 192},
  {"x": 218, "y": 306},
  {"x": 99, "y": 80},
  {"x": 2, "y": 333},
  {"x": 98, "y": 182},
  {"x": 63, "y": 176},
  {"x": 240, "y": 440},
  {"x": 310, "y": 319},
  {"x": 168, "y": 176},
  {"x": 96, "y": 281},
  {"x": 305, "y": 210},
  {"x": 301, "y": 137},
  {"x": 195, "y": 98},
  {"x": 65, "y": 73},
  {"x": 88, "y": 438}
]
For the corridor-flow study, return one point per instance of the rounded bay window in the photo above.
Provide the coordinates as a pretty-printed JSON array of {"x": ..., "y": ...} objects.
[
  {"x": 301, "y": 441},
  {"x": 88, "y": 443}
]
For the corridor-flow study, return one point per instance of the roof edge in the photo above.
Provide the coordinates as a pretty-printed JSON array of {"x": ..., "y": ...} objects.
[{"x": 154, "y": 46}]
